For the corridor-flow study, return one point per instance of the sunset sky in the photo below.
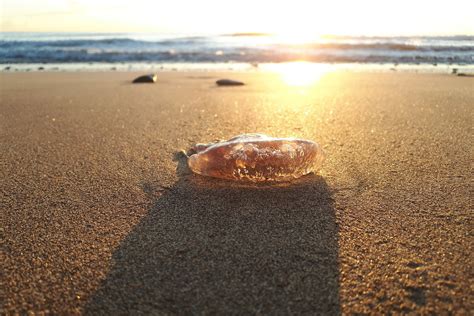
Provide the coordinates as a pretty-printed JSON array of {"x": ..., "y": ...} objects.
[{"x": 288, "y": 17}]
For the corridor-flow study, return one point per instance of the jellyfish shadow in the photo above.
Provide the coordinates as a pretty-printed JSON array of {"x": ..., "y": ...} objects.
[{"x": 216, "y": 247}]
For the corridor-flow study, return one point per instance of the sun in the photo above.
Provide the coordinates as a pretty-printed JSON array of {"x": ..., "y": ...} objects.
[{"x": 296, "y": 37}]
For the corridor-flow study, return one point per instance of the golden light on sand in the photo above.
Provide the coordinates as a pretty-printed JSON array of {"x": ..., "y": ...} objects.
[{"x": 301, "y": 73}]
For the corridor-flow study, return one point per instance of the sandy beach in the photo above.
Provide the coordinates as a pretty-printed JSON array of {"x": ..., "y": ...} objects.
[{"x": 100, "y": 215}]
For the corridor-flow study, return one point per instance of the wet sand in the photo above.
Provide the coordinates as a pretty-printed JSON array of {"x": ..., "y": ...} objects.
[{"x": 101, "y": 216}]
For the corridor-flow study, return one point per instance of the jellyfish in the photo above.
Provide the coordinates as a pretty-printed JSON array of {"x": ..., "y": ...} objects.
[{"x": 257, "y": 158}]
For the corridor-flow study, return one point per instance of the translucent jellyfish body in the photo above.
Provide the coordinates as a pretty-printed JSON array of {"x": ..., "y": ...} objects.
[{"x": 257, "y": 158}]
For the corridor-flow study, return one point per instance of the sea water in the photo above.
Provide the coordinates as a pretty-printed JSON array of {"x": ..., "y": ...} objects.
[{"x": 76, "y": 51}]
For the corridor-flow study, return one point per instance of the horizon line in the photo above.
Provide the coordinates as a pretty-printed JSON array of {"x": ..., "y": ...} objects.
[{"x": 245, "y": 34}]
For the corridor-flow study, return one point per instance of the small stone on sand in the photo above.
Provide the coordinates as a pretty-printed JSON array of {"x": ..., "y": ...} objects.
[
  {"x": 151, "y": 78},
  {"x": 229, "y": 82}
]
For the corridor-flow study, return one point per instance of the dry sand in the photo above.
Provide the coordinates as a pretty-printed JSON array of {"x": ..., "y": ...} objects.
[{"x": 99, "y": 214}]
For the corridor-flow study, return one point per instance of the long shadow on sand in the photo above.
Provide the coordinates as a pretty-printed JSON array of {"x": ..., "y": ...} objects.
[{"x": 213, "y": 247}]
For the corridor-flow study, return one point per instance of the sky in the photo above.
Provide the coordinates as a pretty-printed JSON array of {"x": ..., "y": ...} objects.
[{"x": 298, "y": 18}]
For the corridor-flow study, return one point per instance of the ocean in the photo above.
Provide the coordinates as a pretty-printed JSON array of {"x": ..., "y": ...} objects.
[{"x": 76, "y": 51}]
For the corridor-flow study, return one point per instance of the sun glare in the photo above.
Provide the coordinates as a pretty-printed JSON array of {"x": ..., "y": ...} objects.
[
  {"x": 297, "y": 37},
  {"x": 300, "y": 73}
]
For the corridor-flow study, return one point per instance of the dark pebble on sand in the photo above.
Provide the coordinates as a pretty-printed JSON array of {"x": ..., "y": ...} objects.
[
  {"x": 146, "y": 79},
  {"x": 229, "y": 82}
]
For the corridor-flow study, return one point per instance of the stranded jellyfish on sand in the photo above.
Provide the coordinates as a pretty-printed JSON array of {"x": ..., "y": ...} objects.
[{"x": 257, "y": 158}]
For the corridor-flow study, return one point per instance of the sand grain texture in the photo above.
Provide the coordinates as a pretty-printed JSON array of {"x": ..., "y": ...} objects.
[{"x": 101, "y": 216}]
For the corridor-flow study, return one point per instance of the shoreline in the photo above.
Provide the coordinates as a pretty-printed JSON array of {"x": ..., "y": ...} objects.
[{"x": 233, "y": 67}]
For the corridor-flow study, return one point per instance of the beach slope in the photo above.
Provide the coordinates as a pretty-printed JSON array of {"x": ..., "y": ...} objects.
[{"x": 99, "y": 213}]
